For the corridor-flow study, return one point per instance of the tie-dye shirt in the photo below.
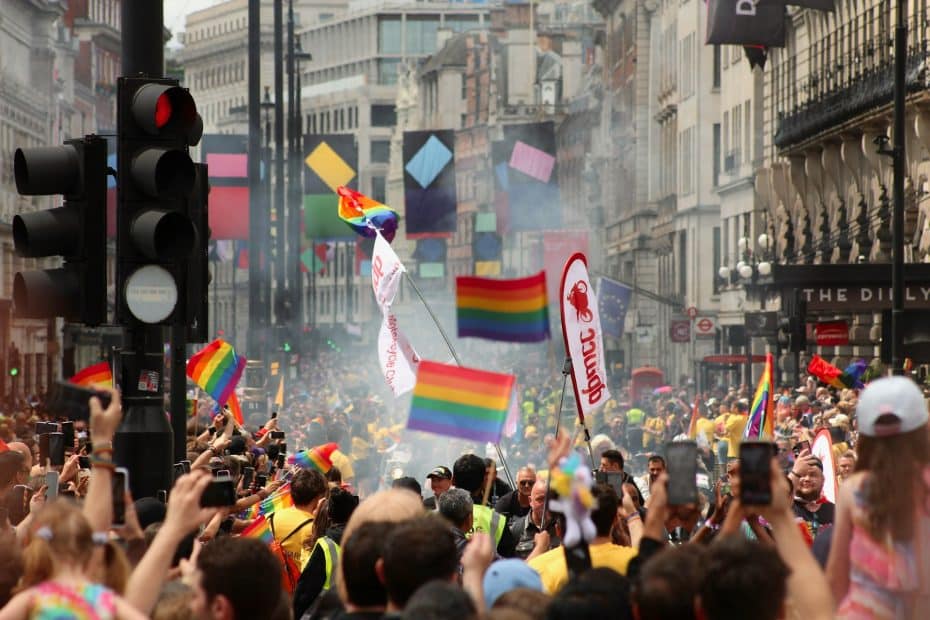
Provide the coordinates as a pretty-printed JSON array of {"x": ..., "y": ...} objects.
[{"x": 56, "y": 601}]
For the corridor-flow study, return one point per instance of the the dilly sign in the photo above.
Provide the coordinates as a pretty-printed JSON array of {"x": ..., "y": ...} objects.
[{"x": 861, "y": 298}]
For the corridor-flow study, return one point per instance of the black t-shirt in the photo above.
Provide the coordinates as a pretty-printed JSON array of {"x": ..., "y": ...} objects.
[
  {"x": 509, "y": 506},
  {"x": 823, "y": 516}
]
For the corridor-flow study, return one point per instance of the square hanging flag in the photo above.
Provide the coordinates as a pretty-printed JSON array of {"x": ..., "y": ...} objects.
[
  {"x": 429, "y": 182},
  {"x": 330, "y": 161},
  {"x": 460, "y": 402},
  {"x": 226, "y": 156},
  {"x": 508, "y": 310}
]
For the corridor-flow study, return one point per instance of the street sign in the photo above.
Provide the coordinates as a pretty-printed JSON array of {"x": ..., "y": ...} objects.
[
  {"x": 692, "y": 312},
  {"x": 705, "y": 327},
  {"x": 679, "y": 331}
]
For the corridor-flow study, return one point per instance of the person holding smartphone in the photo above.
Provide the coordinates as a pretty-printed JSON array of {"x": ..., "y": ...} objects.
[{"x": 809, "y": 503}]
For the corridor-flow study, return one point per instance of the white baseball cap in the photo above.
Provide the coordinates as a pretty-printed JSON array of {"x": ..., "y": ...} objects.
[{"x": 891, "y": 406}]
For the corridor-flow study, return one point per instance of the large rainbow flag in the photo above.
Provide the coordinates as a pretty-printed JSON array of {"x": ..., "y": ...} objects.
[
  {"x": 761, "y": 421},
  {"x": 96, "y": 376},
  {"x": 216, "y": 369},
  {"x": 260, "y": 529},
  {"x": 365, "y": 215},
  {"x": 460, "y": 402},
  {"x": 508, "y": 310}
]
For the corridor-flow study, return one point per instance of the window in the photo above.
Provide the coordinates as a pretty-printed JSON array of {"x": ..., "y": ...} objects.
[
  {"x": 717, "y": 251},
  {"x": 686, "y": 166},
  {"x": 389, "y": 35},
  {"x": 461, "y": 23},
  {"x": 383, "y": 116},
  {"x": 464, "y": 87},
  {"x": 726, "y": 142},
  {"x": 380, "y": 151},
  {"x": 683, "y": 262},
  {"x": 421, "y": 34},
  {"x": 716, "y": 66},
  {"x": 686, "y": 71},
  {"x": 387, "y": 71},
  {"x": 716, "y": 154},
  {"x": 747, "y": 132},
  {"x": 737, "y": 139},
  {"x": 378, "y": 189}
]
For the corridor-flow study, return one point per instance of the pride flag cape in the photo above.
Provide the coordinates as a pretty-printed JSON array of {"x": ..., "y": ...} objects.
[
  {"x": 365, "y": 215},
  {"x": 508, "y": 310},
  {"x": 460, "y": 402},
  {"x": 318, "y": 458},
  {"x": 96, "y": 376},
  {"x": 216, "y": 369},
  {"x": 260, "y": 529},
  {"x": 761, "y": 419}
]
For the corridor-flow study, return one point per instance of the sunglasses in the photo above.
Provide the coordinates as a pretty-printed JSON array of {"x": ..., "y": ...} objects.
[{"x": 525, "y": 483}]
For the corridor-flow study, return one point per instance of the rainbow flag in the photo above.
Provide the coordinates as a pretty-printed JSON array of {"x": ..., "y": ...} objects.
[
  {"x": 279, "y": 500},
  {"x": 96, "y": 376},
  {"x": 318, "y": 458},
  {"x": 216, "y": 369},
  {"x": 695, "y": 414},
  {"x": 235, "y": 408},
  {"x": 761, "y": 417},
  {"x": 365, "y": 215},
  {"x": 507, "y": 310},
  {"x": 260, "y": 529},
  {"x": 460, "y": 402}
]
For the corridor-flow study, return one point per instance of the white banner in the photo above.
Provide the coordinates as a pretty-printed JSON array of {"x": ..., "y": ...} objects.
[
  {"x": 584, "y": 341},
  {"x": 822, "y": 448},
  {"x": 398, "y": 359},
  {"x": 386, "y": 271}
]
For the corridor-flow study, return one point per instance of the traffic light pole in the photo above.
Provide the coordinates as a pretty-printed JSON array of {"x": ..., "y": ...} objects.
[
  {"x": 258, "y": 289},
  {"x": 280, "y": 159},
  {"x": 142, "y": 36}
]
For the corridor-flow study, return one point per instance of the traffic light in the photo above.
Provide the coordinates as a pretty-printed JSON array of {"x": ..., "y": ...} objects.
[
  {"x": 76, "y": 231},
  {"x": 198, "y": 272},
  {"x": 157, "y": 121}
]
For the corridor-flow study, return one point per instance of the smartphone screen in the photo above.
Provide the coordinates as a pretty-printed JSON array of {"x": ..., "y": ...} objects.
[
  {"x": 187, "y": 466},
  {"x": 178, "y": 470},
  {"x": 755, "y": 476},
  {"x": 261, "y": 480},
  {"x": 681, "y": 457},
  {"x": 221, "y": 473},
  {"x": 56, "y": 449},
  {"x": 67, "y": 429},
  {"x": 282, "y": 448},
  {"x": 800, "y": 446},
  {"x": 43, "y": 449},
  {"x": 277, "y": 434},
  {"x": 84, "y": 462},
  {"x": 120, "y": 486},
  {"x": 220, "y": 492},
  {"x": 51, "y": 482},
  {"x": 162, "y": 496},
  {"x": 248, "y": 474}
]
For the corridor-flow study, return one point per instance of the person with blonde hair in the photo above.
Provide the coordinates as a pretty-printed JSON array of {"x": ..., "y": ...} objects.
[{"x": 879, "y": 563}]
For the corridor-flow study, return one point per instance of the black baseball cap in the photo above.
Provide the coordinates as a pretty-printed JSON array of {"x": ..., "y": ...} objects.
[{"x": 441, "y": 472}]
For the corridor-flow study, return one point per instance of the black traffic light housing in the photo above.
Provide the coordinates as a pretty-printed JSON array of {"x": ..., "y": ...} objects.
[
  {"x": 76, "y": 231},
  {"x": 197, "y": 275},
  {"x": 158, "y": 194}
]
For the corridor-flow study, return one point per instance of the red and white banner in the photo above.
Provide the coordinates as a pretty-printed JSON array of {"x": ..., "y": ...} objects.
[
  {"x": 398, "y": 359},
  {"x": 832, "y": 334},
  {"x": 822, "y": 448},
  {"x": 584, "y": 340}
]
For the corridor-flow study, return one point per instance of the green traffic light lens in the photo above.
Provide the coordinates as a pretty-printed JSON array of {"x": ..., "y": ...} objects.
[{"x": 14, "y": 372}]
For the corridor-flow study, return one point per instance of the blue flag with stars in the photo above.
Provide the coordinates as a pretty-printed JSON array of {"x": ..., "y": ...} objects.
[{"x": 613, "y": 298}]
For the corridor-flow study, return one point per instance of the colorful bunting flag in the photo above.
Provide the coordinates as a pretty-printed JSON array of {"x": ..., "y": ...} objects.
[
  {"x": 460, "y": 402},
  {"x": 507, "y": 310}
]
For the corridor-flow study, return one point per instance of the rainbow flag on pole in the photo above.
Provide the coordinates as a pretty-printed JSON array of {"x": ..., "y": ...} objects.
[
  {"x": 260, "y": 529},
  {"x": 507, "y": 310},
  {"x": 365, "y": 215},
  {"x": 761, "y": 419},
  {"x": 96, "y": 376},
  {"x": 216, "y": 369},
  {"x": 318, "y": 458},
  {"x": 281, "y": 499},
  {"x": 460, "y": 402}
]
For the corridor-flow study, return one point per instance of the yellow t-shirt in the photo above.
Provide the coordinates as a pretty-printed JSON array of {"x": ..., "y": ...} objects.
[
  {"x": 720, "y": 423},
  {"x": 706, "y": 427},
  {"x": 735, "y": 426},
  {"x": 286, "y": 521},
  {"x": 554, "y": 572},
  {"x": 344, "y": 463},
  {"x": 656, "y": 424}
]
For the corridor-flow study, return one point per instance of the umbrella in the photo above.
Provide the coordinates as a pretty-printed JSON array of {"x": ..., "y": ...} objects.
[{"x": 665, "y": 389}]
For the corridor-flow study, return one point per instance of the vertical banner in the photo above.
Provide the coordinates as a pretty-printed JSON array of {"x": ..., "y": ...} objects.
[
  {"x": 330, "y": 160},
  {"x": 429, "y": 182},
  {"x": 613, "y": 298},
  {"x": 227, "y": 159},
  {"x": 745, "y": 22},
  {"x": 581, "y": 328}
]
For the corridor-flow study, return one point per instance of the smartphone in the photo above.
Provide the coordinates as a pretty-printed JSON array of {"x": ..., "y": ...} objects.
[
  {"x": 43, "y": 449},
  {"x": 51, "y": 483},
  {"x": 681, "y": 458},
  {"x": 186, "y": 465},
  {"x": 178, "y": 470},
  {"x": 56, "y": 449},
  {"x": 120, "y": 482},
  {"x": 219, "y": 473},
  {"x": 261, "y": 480},
  {"x": 45, "y": 427},
  {"x": 84, "y": 462},
  {"x": 220, "y": 492},
  {"x": 279, "y": 463},
  {"x": 801, "y": 445},
  {"x": 282, "y": 449},
  {"x": 755, "y": 475},
  {"x": 612, "y": 478},
  {"x": 277, "y": 434},
  {"x": 73, "y": 401},
  {"x": 67, "y": 429},
  {"x": 248, "y": 475},
  {"x": 162, "y": 496}
]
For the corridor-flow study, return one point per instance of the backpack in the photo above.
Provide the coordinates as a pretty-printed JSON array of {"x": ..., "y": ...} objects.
[{"x": 290, "y": 569}]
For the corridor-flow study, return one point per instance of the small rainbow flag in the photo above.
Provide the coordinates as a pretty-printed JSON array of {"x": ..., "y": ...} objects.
[
  {"x": 260, "y": 529},
  {"x": 318, "y": 458},
  {"x": 279, "y": 500},
  {"x": 761, "y": 417},
  {"x": 96, "y": 376},
  {"x": 365, "y": 215},
  {"x": 216, "y": 369},
  {"x": 460, "y": 402},
  {"x": 508, "y": 310}
]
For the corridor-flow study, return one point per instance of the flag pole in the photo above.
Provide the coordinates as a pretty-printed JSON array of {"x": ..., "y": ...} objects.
[
  {"x": 566, "y": 370},
  {"x": 458, "y": 362}
]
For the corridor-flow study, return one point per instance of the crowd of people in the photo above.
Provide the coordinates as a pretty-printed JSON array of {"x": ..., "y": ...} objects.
[{"x": 383, "y": 523}]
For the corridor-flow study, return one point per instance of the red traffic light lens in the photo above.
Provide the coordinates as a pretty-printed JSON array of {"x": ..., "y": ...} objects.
[{"x": 162, "y": 110}]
